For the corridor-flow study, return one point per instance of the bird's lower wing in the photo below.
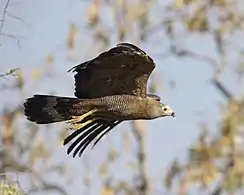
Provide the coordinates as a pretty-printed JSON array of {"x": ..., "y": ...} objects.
[{"x": 87, "y": 133}]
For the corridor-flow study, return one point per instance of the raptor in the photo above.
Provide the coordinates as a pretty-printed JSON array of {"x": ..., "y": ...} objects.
[{"x": 109, "y": 89}]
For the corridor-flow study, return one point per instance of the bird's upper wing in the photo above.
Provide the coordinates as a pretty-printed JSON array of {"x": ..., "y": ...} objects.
[
  {"x": 124, "y": 69},
  {"x": 156, "y": 97}
]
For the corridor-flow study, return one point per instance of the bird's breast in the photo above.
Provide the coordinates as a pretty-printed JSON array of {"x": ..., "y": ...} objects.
[{"x": 128, "y": 108}]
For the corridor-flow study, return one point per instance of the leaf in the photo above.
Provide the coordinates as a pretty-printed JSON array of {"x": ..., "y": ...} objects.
[
  {"x": 126, "y": 141},
  {"x": 173, "y": 171},
  {"x": 20, "y": 80},
  {"x": 103, "y": 169},
  {"x": 35, "y": 74},
  {"x": 198, "y": 22},
  {"x": 169, "y": 28},
  {"x": 112, "y": 155},
  {"x": 121, "y": 33},
  {"x": 92, "y": 14},
  {"x": 12, "y": 71},
  {"x": 133, "y": 165},
  {"x": 210, "y": 173},
  {"x": 10, "y": 189},
  {"x": 179, "y": 4},
  {"x": 107, "y": 191},
  {"x": 49, "y": 60},
  {"x": 87, "y": 180},
  {"x": 73, "y": 31}
]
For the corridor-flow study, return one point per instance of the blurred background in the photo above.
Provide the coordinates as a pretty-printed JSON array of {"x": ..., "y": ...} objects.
[{"x": 199, "y": 52}]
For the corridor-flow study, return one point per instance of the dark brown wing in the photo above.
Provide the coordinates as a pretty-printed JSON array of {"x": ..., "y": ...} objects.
[
  {"x": 124, "y": 69},
  {"x": 156, "y": 97},
  {"x": 82, "y": 137}
]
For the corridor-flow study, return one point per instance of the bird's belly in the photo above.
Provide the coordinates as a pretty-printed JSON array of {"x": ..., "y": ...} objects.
[
  {"x": 125, "y": 114},
  {"x": 124, "y": 107}
]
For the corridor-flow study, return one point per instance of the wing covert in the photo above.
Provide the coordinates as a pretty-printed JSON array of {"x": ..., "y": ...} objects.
[{"x": 123, "y": 69}]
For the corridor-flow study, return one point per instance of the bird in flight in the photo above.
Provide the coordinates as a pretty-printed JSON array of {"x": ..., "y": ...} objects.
[{"x": 109, "y": 89}]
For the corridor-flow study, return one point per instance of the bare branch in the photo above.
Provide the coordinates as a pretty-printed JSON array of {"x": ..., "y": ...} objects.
[
  {"x": 45, "y": 185},
  {"x": 12, "y": 71},
  {"x": 2, "y": 22},
  {"x": 17, "y": 39},
  {"x": 187, "y": 53},
  {"x": 222, "y": 89},
  {"x": 4, "y": 16},
  {"x": 17, "y": 18},
  {"x": 143, "y": 186}
]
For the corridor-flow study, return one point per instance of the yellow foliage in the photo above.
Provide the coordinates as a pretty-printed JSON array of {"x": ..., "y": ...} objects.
[
  {"x": 87, "y": 180},
  {"x": 133, "y": 166},
  {"x": 112, "y": 155},
  {"x": 182, "y": 187},
  {"x": 35, "y": 74},
  {"x": 20, "y": 79},
  {"x": 126, "y": 142},
  {"x": 7, "y": 126},
  {"x": 107, "y": 191},
  {"x": 121, "y": 33},
  {"x": 197, "y": 25},
  {"x": 71, "y": 36},
  {"x": 92, "y": 13},
  {"x": 238, "y": 165},
  {"x": 103, "y": 169},
  {"x": 224, "y": 142},
  {"x": 63, "y": 134},
  {"x": 198, "y": 22},
  {"x": 209, "y": 173},
  {"x": 136, "y": 11},
  {"x": 10, "y": 189},
  {"x": 49, "y": 60},
  {"x": 180, "y": 4},
  {"x": 38, "y": 152}
]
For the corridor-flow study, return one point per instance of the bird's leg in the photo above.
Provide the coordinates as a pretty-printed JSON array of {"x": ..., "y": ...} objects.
[
  {"x": 76, "y": 119},
  {"x": 75, "y": 126},
  {"x": 76, "y": 122}
]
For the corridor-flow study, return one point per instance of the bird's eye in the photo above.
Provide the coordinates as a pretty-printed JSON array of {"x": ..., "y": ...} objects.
[{"x": 165, "y": 109}]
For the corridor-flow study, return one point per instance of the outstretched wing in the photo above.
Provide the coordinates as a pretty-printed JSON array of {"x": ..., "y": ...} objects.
[{"x": 124, "y": 69}]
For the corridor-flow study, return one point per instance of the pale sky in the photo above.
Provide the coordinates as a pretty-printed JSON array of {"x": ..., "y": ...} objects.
[{"x": 48, "y": 23}]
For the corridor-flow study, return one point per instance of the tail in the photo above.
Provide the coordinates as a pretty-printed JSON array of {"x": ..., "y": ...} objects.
[{"x": 44, "y": 109}]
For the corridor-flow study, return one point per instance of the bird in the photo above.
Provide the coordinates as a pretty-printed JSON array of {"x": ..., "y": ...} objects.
[{"x": 109, "y": 89}]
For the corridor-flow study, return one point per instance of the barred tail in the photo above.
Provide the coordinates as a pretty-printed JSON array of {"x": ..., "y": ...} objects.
[{"x": 44, "y": 109}]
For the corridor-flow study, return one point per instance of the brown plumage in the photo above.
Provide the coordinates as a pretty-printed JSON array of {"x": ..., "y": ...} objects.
[{"x": 110, "y": 88}]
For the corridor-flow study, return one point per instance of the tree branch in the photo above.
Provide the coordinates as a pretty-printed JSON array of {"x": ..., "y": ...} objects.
[
  {"x": 143, "y": 186},
  {"x": 187, "y": 53},
  {"x": 4, "y": 16},
  {"x": 20, "y": 168},
  {"x": 222, "y": 89}
]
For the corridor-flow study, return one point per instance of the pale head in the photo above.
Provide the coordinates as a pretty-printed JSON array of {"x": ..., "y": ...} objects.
[
  {"x": 157, "y": 109},
  {"x": 166, "y": 110}
]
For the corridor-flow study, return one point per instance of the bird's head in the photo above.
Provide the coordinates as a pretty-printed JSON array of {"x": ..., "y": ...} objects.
[
  {"x": 166, "y": 110},
  {"x": 158, "y": 109}
]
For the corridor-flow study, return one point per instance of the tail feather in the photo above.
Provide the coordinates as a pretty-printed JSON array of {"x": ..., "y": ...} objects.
[{"x": 44, "y": 109}]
